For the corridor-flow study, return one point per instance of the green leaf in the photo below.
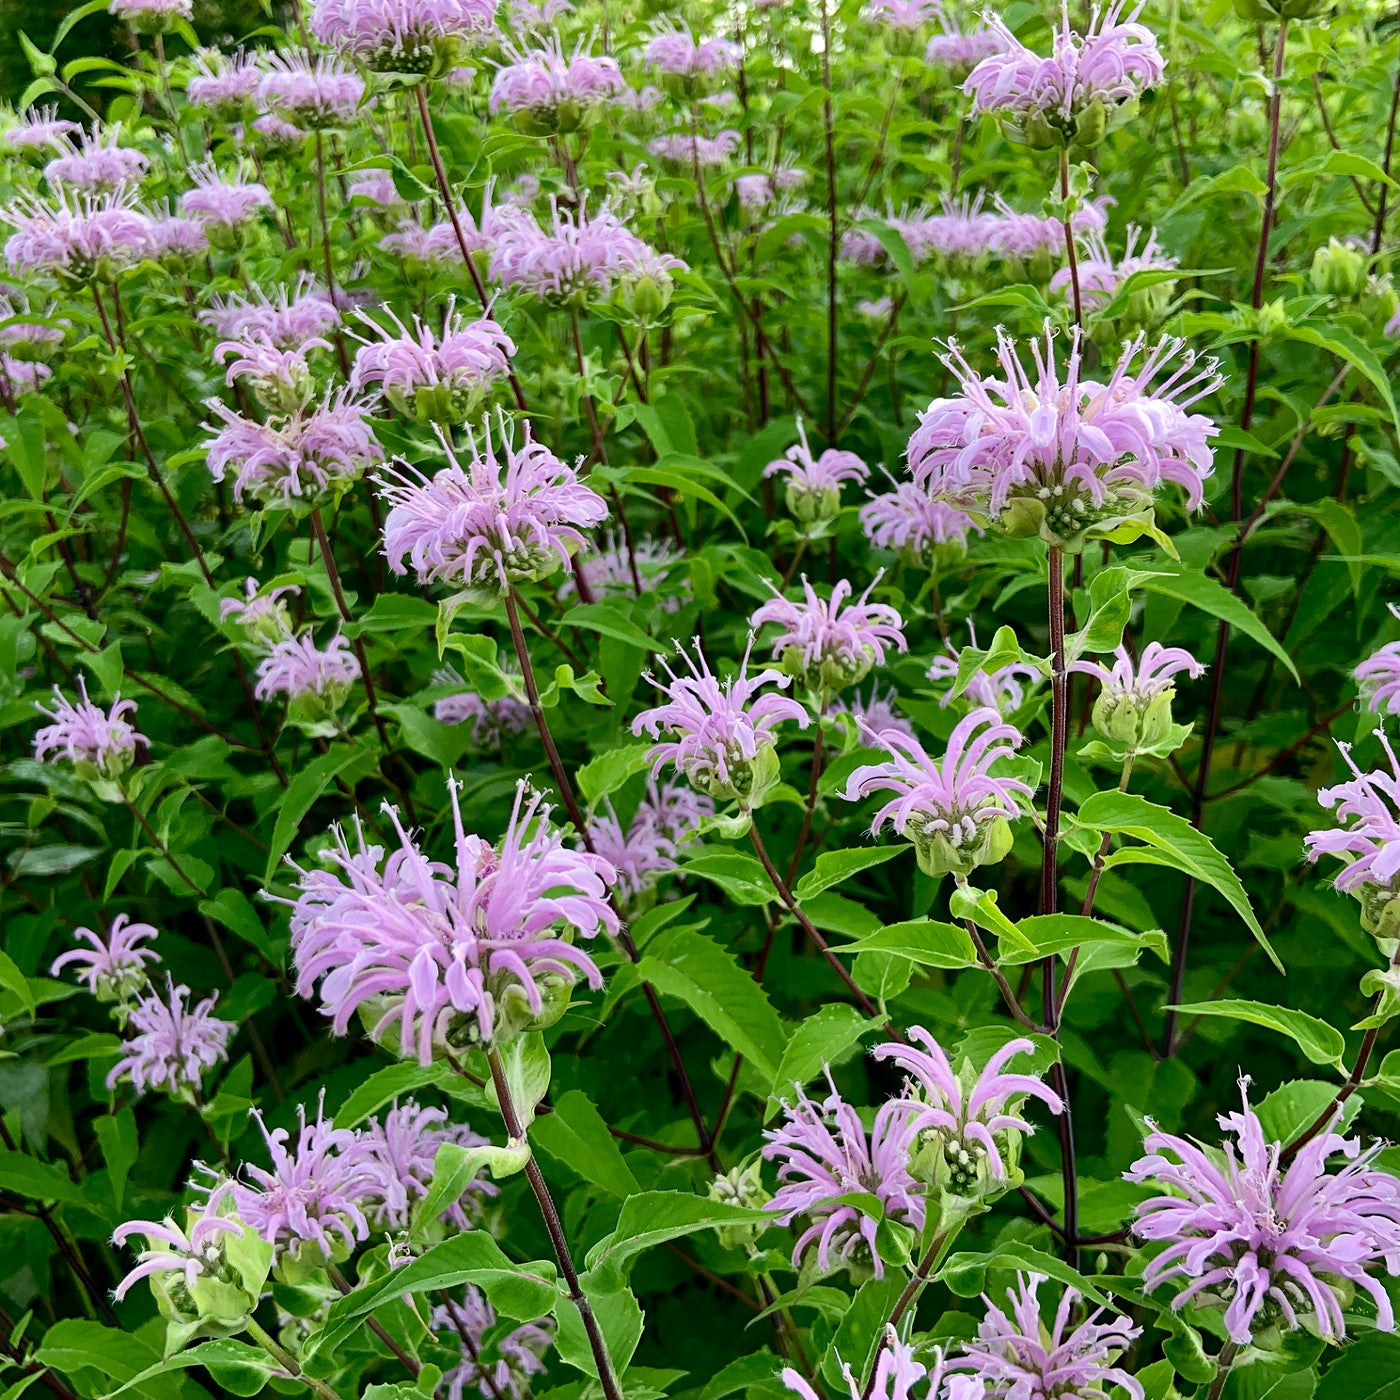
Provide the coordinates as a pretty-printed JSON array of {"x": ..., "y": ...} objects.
[
  {"x": 1297, "y": 1105},
  {"x": 23, "y": 1175},
  {"x": 575, "y": 1135},
  {"x": 741, "y": 877},
  {"x": 1058, "y": 933},
  {"x": 234, "y": 910},
  {"x": 1321, "y": 1043},
  {"x": 75, "y": 1344},
  {"x": 684, "y": 964},
  {"x": 965, "y": 1273},
  {"x": 301, "y": 796},
  {"x": 455, "y": 1168},
  {"x": 13, "y": 980},
  {"x": 1172, "y": 841},
  {"x": 619, "y": 1317},
  {"x": 924, "y": 941},
  {"x": 1346, "y": 346},
  {"x": 610, "y": 621},
  {"x": 981, "y": 908},
  {"x": 600, "y": 777},
  {"x": 653, "y": 1217},
  {"x": 832, "y": 867},
  {"x": 1217, "y": 600},
  {"x": 402, "y": 1077},
  {"x": 116, "y": 1134},
  {"x": 824, "y": 1039},
  {"x": 1369, "y": 1369}
]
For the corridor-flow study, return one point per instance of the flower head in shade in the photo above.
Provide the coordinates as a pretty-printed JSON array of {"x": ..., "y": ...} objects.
[
  {"x": 1034, "y": 244},
  {"x": 170, "y": 1044},
  {"x": 960, "y": 234},
  {"x": 608, "y": 570},
  {"x": 470, "y": 1323},
  {"x": 960, "y": 47},
  {"x": 320, "y": 449},
  {"x": 310, "y": 1206},
  {"x": 1369, "y": 804},
  {"x": 687, "y": 65},
  {"x": 491, "y": 721},
  {"x": 813, "y": 484},
  {"x": 262, "y": 616},
  {"x": 550, "y": 93},
  {"x": 276, "y": 136},
  {"x": 114, "y": 971},
  {"x": 897, "y": 1372},
  {"x": 397, "y": 1153},
  {"x": 1089, "y": 83},
  {"x": 829, "y": 644},
  {"x": 99, "y": 745},
  {"x": 24, "y": 334},
  {"x": 76, "y": 237},
  {"x": 222, "y": 201},
  {"x": 493, "y": 522},
  {"x": 378, "y": 187},
  {"x": 927, "y": 533},
  {"x": 431, "y": 377},
  {"x": 1378, "y": 677},
  {"x": 289, "y": 318},
  {"x": 967, "y": 1125},
  {"x": 176, "y": 241},
  {"x": 24, "y": 376},
  {"x": 824, "y": 1156},
  {"x": 1134, "y": 707},
  {"x": 1016, "y": 1354},
  {"x": 439, "y": 955},
  {"x": 688, "y": 148},
  {"x": 527, "y": 16},
  {"x": 402, "y": 36},
  {"x": 1100, "y": 275},
  {"x": 639, "y": 852},
  {"x": 1276, "y": 1245},
  {"x": 1002, "y": 690},
  {"x": 314, "y": 94},
  {"x": 1392, "y": 327},
  {"x": 957, "y": 812},
  {"x": 223, "y": 84},
  {"x": 280, "y": 380},
  {"x": 902, "y": 14},
  {"x": 97, "y": 163},
  {"x": 152, "y": 16},
  {"x": 720, "y": 734},
  {"x": 1068, "y": 460},
  {"x": 38, "y": 130},
  {"x": 316, "y": 681},
  {"x": 873, "y": 713}
]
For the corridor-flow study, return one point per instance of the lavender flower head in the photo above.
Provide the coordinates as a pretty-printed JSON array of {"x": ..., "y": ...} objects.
[
  {"x": 1070, "y": 461},
  {"x": 171, "y": 1044},
  {"x": 491, "y": 721},
  {"x": 428, "y": 377},
  {"x": 720, "y": 733},
  {"x": 1370, "y": 843},
  {"x": 687, "y": 66},
  {"x": 824, "y": 1156},
  {"x": 608, "y": 570},
  {"x": 967, "y": 1125},
  {"x": 114, "y": 971},
  {"x": 1089, "y": 84},
  {"x": 1134, "y": 707},
  {"x": 280, "y": 380},
  {"x": 274, "y": 135},
  {"x": 1100, "y": 276},
  {"x": 1015, "y": 1354},
  {"x": 443, "y": 956},
  {"x": 1034, "y": 244},
  {"x": 262, "y": 616},
  {"x": 897, "y": 1372},
  {"x": 957, "y": 813},
  {"x": 550, "y": 93},
  {"x": 23, "y": 339},
  {"x": 639, "y": 852},
  {"x": 902, "y": 14},
  {"x": 489, "y": 524},
  {"x": 422, "y": 37},
  {"x": 1002, "y": 690},
  {"x": 152, "y": 16},
  {"x": 960, "y": 47},
  {"x": 1276, "y": 1246},
  {"x": 315, "y": 681},
  {"x": 960, "y": 234},
  {"x": 77, "y": 238},
  {"x": 37, "y": 130},
  {"x": 289, "y": 318},
  {"x": 223, "y": 84},
  {"x": 813, "y": 485},
  {"x": 471, "y": 1324},
  {"x": 309, "y": 1206},
  {"x": 1378, "y": 677},
  {"x": 398, "y": 1152},
  {"x": 829, "y": 644},
  {"x": 317, "y": 451},
  {"x": 100, "y": 746},
  {"x": 313, "y": 94},
  {"x": 691, "y": 149},
  {"x": 925, "y": 532},
  {"x": 175, "y": 241},
  {"x": 223, "y": 202},
  {"x": 96, "y": 163},
  {"x": 875, "y": 712}
]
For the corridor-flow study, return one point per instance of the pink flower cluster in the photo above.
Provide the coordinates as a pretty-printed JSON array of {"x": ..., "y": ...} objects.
[
  {"x": 97, "y": 743},
  {"x": 401, "y": 36}
]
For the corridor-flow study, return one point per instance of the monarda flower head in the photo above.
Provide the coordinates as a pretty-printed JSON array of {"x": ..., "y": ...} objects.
[
  {"x": 897, "y": 1372},
  {"x": 1069, "y": 461},
  {"x": 1378, "y": 677},
  {"x": 298, "y": 460},
  {"x": 262, "y": 616},
  {"x": 1370, "y": 842},
  {"x": 314, "y": 94},
  {"x": 1100, "y": 277},
  {"x": 96, "y": 163},
  {"x": 171, "y": 1044},
  {"x": 1002, "y": 690},
  {"x": 492, "y": 523},
  {"x": 223, "y": 84},
  {"x": 873, "y": 713},
  {"x": 421, "y": 37},
  {"x": 956, "y": 813},
  {"x": 813, "y": 484},
  {"x": 309, "y": 1206},
  {"x": 26, "y": 339},
  {"x": 1015, "y": 1354},
  {"x": 1276, "y": 1246},
  {"x": 687, "y": 66},
  {"x": 470, "y": 1324},
  {"x": 829, "y": 644},
  {"x": 967, "y": 1126},
  {"x": 608, "y": 571},
  {"x": 176, "y": 242},
  {"x": 281, "y": 380},
  {"x": 76, "y": 238},
  {"x": 924, "y": 532},
  {"x": 689, "y": 148},
  {"x": 114, "y": 971},
  {"x": 315, "y": 681},
  {"x": 491, "y": 721},
  {"x": 289, "y": 318},
  {"x": 825, "y": 1157},
  {"x": 1134, "y": 707},
  {"x": 1034, "y": 244},
  {"x": 435, "y": 956},
  {"x": 223, "y": 201},
  {"x": 959, "y": 46},
  {"x": 549, "y": 93},
  {"x": 959, "y": 235},
  {"x": 720, "y": 734},
  {"x": 37, "y": 131},
  {"x": 152, "y": 16},
  {"x": 100, "y": 745},
  {"x": 639, "y": 852},
  {"x": 1090, "y": 82},
  {"x": 428, "y": 377}
]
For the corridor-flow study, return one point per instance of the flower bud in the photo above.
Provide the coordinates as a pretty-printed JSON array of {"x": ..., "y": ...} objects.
[
  {"x": 1338, "y": 270},
  {"x": 740, "y": 1186}
]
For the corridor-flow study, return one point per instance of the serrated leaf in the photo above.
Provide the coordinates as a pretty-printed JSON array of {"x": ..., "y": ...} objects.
[
  {"x": 1321, "y": 1043},
  {"x": 575, "y": 1134},
  {"x": 827, "y": 1038},
  {"x": 832, "y": 867}
]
